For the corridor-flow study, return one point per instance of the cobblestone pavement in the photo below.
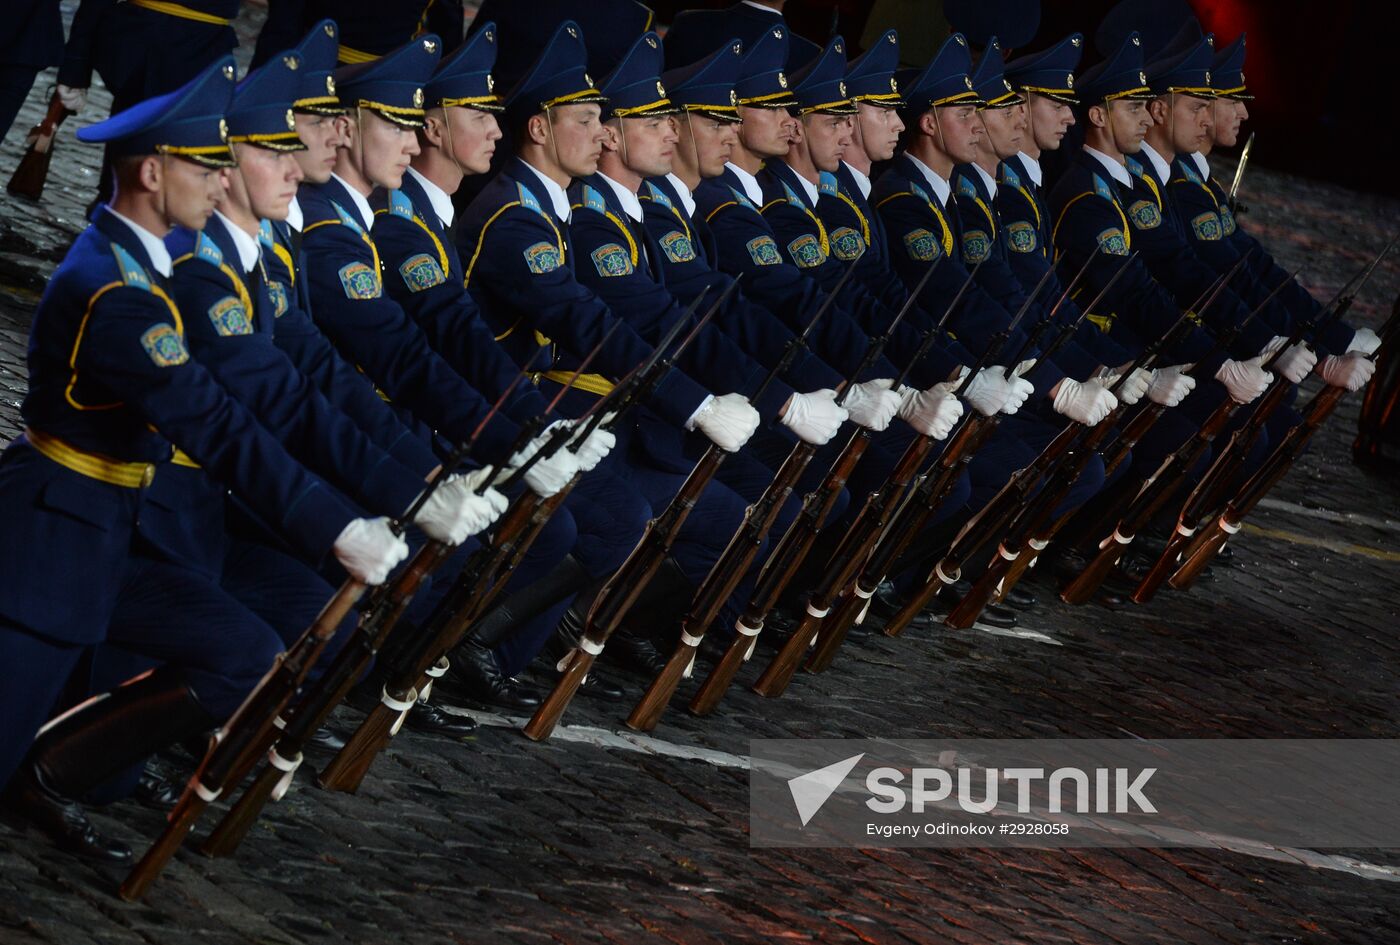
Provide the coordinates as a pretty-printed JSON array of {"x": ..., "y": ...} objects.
[{"x": 601, "y": 837}]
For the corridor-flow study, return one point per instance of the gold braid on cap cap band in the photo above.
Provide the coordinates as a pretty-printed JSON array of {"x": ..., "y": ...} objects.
[
  {"x": 212, "y": 155},
  {"x": 961, "y": 98},
  {"x": 662, "y": 106},
  {"x": 583, "y": 97},
  {"x": 398, "y": 114},
  {"x": 1196, "y": 91},
  {"x": 782, "y": 99},
  {"x": 485, "y": 103},
  {"x": 276, "y": 141},
  {"x": 1139, "y": 92}
]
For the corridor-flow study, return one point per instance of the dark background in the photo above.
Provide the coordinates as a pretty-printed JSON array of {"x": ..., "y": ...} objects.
[{"x": 1323, "y": 72}]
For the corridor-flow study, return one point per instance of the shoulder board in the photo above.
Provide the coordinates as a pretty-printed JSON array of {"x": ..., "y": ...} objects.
[
  {"x": 265, "y": 236},
  {"x": 966, "y": 187},
  {"x": 741, "y": 198},
  {"x": 527, "y": 199},
  {"x": 829, "y": 184},
  {"x": 919, "y": 192},
  {"x": 1133, "y": 166},
  {"x": 657, "y": 194},
  {"x": 346, "y": 218},
  {"x": 1010, "y": 177},
  {"x": 400, "y": 205},
  {"x": 205, "y": 249},
  {"x": 792, "y": 197},
  {"x": 1189, "y": 172},
  {"x": 593, "y": 200},
  {"x": 133, "y": 273},
  {"x": 1102, "y": 189}
]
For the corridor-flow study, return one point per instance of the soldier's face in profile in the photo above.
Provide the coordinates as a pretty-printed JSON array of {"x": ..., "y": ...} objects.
[
  {"x": 191, "y": 191},
  {"x": 385, "y": 149},
  {"x": 268, "y": 180},
  {"x": 1006, "y": 130},
  {"x": 1190, "y": 123},
  {"x": 714, "y": 143},
  {"x": 1226, "y": 117},
  {"x": 828, "y": 137},
  {"x": 578, "y": 138},
  {"x": 322, "y": 135},
  {"x": 1049, "y": 120},
  {"x": 767, "y": 132},
  {"x": 472, "y": 135},
  {"x": 648, "y": 144},
  {"x": 960, "y": 132},
  {"x": 879, "y": 131},
  {"x": 1128, "y": 121}
]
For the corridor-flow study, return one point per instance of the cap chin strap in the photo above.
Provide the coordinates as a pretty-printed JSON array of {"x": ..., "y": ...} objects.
[
  {"x": 553, "y": 139},
  {"x": 451, "y": 148},
  {"x": 694, "y": 148}
]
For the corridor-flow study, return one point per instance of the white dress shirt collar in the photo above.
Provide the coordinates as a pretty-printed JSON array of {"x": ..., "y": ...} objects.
[
  {"x": 559, "y": 201},
  {"x": 294, "y": 216},
  {"x": 809, "y": 188},
  {"x": 152, "y": 244},
  {"x": 861, "y": 178},
  {"x": 940, "y": 186},
  {"x": 683, "y": 192},
  {"x": 630, "y": 204},
  {"x": 362, "y": 207},
  {"x": 1115, "y": 170},
  {"x": 1202, "y": 164},
  {"x": 246, "y": 245},
  {"x": 442, "y": 204},
  {"x": 1032, "y": 167},
  {"x": 749, "y": 183},
  {"x": 1163, "y": 169},
  {"x": 987, "y": 179}
]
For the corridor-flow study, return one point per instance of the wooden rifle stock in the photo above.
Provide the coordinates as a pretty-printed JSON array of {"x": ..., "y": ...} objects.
[
  {"x": 238, "y": 744},
  {"x": 621, "y": 592},
  {"x": 778, "y": 571},
  {"x": 285, "y": 756},
  {"x": 33, "y": 171},
  {"x": 1205, "y": 545}
]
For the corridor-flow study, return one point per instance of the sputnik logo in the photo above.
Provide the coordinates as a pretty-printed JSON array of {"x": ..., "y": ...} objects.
[{"x": 812, "y": 790}]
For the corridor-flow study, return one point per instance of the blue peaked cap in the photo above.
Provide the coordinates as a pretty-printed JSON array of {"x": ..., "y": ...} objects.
[
  {"x": 188, "y": 122},
  {"x": 464, "y": 78}
]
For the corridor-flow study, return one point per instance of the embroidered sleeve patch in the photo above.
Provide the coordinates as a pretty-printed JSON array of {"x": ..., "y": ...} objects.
[
  {"x": 1227, "y": 220},
  {"x": 230, "y": 318},
  {"x": 360, "y": 281},
  {"x": 676, "y": 246},
  {"x": 610, "y": 259},
  {"x": 542, "y": 258},
  {"x": 1113, "y": 242},
  {"x": 165, "y": 345},
  {"x": 976, "y": 247},
  {"x": 922, "y": 245},
  {"x": 763, "y": 251},
  {"x": 846, "y": 244},
  {"x": 421, "y": 272},
  {"x": 1021, "y": 237},
  {"x": 1145, "y": 215},
  {"x": 279, "y": 298},
  {"x": 806, "y": 251},
  {"x": 1206, "y": 226}
]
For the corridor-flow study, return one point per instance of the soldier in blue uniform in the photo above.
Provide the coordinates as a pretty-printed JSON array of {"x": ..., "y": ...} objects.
[
  {"x": 695, "y": 34},
  {"x": 112, "y": 387},
  {"x": 411, "y": 231},
  {"x": 33, "y": 41},
  {"x": 141, "y": 48},
  {"x": 522, "y": 269},
  {"x": 369, "y": 28}
]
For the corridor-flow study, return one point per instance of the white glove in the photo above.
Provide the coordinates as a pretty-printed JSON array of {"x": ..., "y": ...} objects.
[
  {"x": 991, "y": 391},
  {"x": 1170, "y": 385},
  {"x": 549, "y": 475},
  {"x": 872, "y": 404},
  {"x": 1296, "y": 363},
  {"x": 815, "y": 417},
  {"x": 1364, "y": 341},
  {"x": 591, "y": 451},
  {"x": 1245, "y": 380},
  {"x": 1087, "y": 402},
  {"x": 728, "y": 420},
  {"x": 369, "y": 549},
  {"x": 1131, "y": 390},
  {"x": 932, "y": 412},
  {"x": 75, "y": 100},
  {"x": 454, "y": 512},
  {"x": 1350, "y": 371}
]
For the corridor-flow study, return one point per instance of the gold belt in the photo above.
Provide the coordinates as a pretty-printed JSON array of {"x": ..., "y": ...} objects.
[
  {"x": 93, "y": 465},
  {"x": 181, "y": 458},
  {"x": 593, "y": 383},
  {"x": 183, "y": 12}
]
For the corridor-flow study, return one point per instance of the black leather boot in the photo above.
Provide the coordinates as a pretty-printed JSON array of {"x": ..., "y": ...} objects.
[
  {"x": 91, "y": 743},
  {"x": 648, "y": 634},
  {"x": 428, "y": 719},
  {"x": 560, "y": 645}
]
